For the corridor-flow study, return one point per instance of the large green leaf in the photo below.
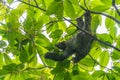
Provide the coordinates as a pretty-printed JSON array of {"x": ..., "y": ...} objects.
[
  {"x": 87, "y": 63},
  {"x": 104, "y": 58},
  {"x": 105, "y": 37},
  {"x": 101, "y": 8},
  {"x": 69, "y": 9},
  {"x": 95, "y": 52},
  {"x": 98, "y": 73},
  {"x": 95, "y": 23},
  {"x": 56, "y": 34},
  {"x": 53, "y": 8},
  {"x": 43, "y": 41},
  {"x": 109, "y": 22}
]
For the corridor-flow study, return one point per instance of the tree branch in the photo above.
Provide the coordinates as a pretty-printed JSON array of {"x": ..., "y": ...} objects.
[
  {"x": 36, "y": 3},
  {"x": 94, "y": 12},
  {"x": 113, "y": 4},
  {"x": 93, "y": 36},
  {"x": 33, "y": 6}
]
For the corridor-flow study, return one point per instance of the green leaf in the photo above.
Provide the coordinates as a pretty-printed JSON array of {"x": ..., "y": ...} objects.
[
  {"x": 105, "y": 37},
  {"x": 115, "y": 55},
  {"x": 64, "y": 64},
  {"x": 59, "y": 11},
  {"x": 43, "y": 41},
  {"x": 69, "y": 9},
  {"x": 109, "y": 23},
  {"x": 53, "y": 8},
  {"x": 33, "y": 61},
  {"x": 67, "y": 76},
  {"x": 113, "y": 32},
  {"x": 7, "y": 59},
  {"x": 86, "y": 63},
  {"x": 98, "y": 73},
  {"x": 10, "y": 67},
  {"x": 3, "y": 72},
  {"x": 104, "y": 58},
  {"x": 95, "y": 52},
  {"x": 95, "y": 23},
  {"x": 59, "y": 76},
  {"x": 116, "y": 68},
  {"x": 52, "y": 27},
  {"x": 75, "y": 70},
  {"x": 81, "y": 76},
  {"x": 56, "y": 34},
  {"x": 110, "y": 76},
  {"x": 101, "y": 8},
  {"x": 23, "y": 56},
  {"x": 71, "y": 29}
]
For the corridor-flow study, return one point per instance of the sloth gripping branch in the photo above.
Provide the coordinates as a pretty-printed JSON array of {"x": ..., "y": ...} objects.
[{"x": 79, "y": 45}]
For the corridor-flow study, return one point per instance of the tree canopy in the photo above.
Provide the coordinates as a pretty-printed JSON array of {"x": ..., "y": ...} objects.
[{"x": 31, "y": 28}]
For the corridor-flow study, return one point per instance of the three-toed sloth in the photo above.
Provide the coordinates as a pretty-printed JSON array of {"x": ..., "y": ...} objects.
[{"x": 79, "y": 45}]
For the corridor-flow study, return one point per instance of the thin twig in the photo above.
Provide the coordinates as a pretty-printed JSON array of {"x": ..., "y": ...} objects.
[
  {"x": 113, "y": 4},
  {"x": 33, "y": 6},
  {"x": 94, "y": 12},
  {"x": 93, "y": 36},
  {"x": 36, "y": 3},
  {"x": 85, "y": 4}
]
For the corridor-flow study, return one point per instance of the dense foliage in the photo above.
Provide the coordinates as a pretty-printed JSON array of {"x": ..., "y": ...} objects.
[{"x": 30, "y": 28}]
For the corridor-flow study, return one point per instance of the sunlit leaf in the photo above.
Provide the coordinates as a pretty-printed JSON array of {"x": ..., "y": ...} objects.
[
  {"x": 53, "y": 8},
  {"x": 98, "y": 73},
  {"x": 69, "y": 9},
  {"x": 105, "y": 37},
  {"x": 101, "y": 8},
  {"x": 87, "y": 63},
  {"x": 56, "y": 34},
  {"x": 95, "y": 23},
  {"x": 104, "y": 58}
]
